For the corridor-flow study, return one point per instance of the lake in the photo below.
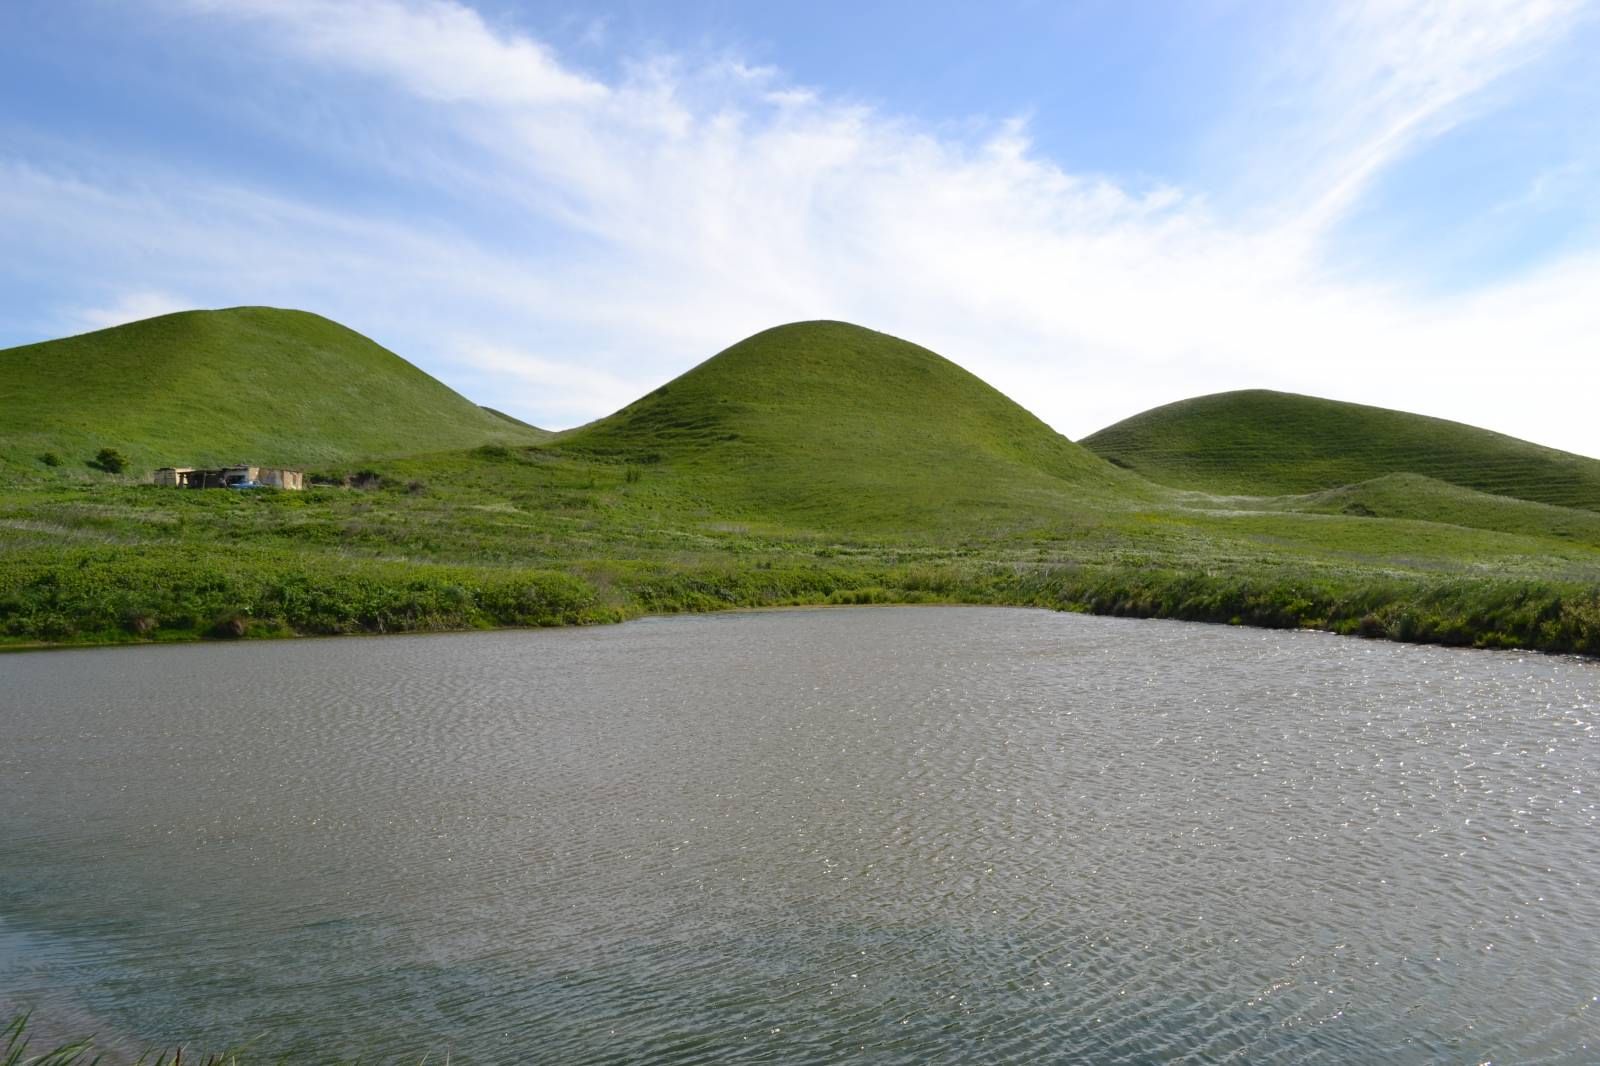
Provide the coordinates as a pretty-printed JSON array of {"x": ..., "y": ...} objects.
[{"x": 886, "y": 835}]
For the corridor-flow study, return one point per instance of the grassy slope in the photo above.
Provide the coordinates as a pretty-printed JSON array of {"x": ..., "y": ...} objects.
[
  {"x": 1270, "y": 443},
  {"x": 816, "y": 462},
  {"x": 1418, "y": 498},
  {"x": 249, "y": 384},
  {"x": 834, "y": 426}
]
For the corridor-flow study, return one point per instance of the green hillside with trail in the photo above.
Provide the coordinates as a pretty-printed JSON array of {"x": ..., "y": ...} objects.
[
  {"x": 252, "y": 384},
  {"x": 1264, "y": 443}
]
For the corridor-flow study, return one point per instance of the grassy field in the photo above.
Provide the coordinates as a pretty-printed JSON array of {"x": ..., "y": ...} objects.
[
  {"x": 814, "y": 463},
  {"x": 1269, "y": 443}
]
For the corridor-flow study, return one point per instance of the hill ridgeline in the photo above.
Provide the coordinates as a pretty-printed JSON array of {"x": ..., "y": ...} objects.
[
  {"x": 821, "y": 417},
  {"x": 254, "y": 384},
  {"x": 1263, "y": 443}
]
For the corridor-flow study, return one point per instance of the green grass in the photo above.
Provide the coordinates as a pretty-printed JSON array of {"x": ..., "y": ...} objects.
[
  {"x": 251, "y": 384},
  {"x": 829, "y": 425},
  {"x": 17, "y": 1048},
  {"x": 815, "y": 463},
  {"x": 1415, "y": 497},
  {"x": 1272, "y": 443}
]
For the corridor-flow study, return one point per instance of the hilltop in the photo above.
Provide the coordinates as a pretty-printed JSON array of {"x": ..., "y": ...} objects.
[
  {"x": 817, "y": 462},
  {"x": 209, "y": 387},
  {"x": 1266, "y": 443},
  {"x": 834, "y": 423}
]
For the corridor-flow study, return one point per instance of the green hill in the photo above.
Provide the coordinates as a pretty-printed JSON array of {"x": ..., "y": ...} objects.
[
  {"x": 1271, "y": 443},
  {"x": 832, "y": 423},
  {"x": 250, "y": 384},
  {"x": 1417, "y": 498},
  {"x": 814, "y": 463}
]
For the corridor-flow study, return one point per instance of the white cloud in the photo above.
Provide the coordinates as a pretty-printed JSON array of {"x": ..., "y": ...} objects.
[
  {"x": 438, "y": 49},
  {"x": 699, "y": 205},
  {"x": 131, "y": 307},
  {"x": 526, "y": 381},
  {"x": 1357, "y": 85}
]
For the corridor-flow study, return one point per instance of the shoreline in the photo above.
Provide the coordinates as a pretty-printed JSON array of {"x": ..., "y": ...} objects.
[{"x": 1565, "y": 620}]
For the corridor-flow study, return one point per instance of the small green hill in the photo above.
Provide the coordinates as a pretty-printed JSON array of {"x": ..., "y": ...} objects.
[
  {"x": 252, "y": 384},
  {"x": 813, "y": 463},
  {"x": 1272, "y": 443},
  {"x": 1426, "y": 499},
  {"x": 833, "y": 423}
]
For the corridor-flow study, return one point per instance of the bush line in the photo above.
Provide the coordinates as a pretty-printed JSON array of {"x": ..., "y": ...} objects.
[{"x": 101, "y": 596}]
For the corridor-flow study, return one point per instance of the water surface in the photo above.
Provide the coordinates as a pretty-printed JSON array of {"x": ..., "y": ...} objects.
[{"x": 892, "y": 835}]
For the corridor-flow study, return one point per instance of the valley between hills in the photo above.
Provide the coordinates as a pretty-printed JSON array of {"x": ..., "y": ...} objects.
[{"x": 813, "y": 463}]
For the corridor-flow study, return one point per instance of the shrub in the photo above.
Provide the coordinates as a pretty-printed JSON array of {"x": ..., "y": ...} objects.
[
  {"x": 140, "y": 623},
  {"x": 50, "y": 459},
  {"x": 861, "y": 597},
  {"x": 1372, "y": 627},
  {"x": 110, "y": 460},
  {"x": 231, "y": 626}
]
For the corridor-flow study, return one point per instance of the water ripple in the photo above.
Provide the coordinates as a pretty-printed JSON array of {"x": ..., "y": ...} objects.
[{"x": 894, "y": 835}]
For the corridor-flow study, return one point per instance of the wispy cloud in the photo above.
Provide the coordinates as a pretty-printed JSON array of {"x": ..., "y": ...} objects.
[
  {"x": 524, "y": 380},
  {"x": 648, "y": 221},
  {"x": 132, "y": 307},
  {"x": 1361, "y": 85},
  {"x": 438, "y": 49}
]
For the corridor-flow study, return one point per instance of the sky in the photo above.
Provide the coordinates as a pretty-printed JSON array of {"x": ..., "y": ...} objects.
[{"x": 1097, "y": 206}]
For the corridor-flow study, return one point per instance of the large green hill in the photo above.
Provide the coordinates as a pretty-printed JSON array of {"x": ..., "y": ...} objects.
[
  {"x": 814, "y": 463},
  {"x": 833, "y": 423},
  {"x": 253, "y": 384},
  {"x": 1271, "y": 443}
]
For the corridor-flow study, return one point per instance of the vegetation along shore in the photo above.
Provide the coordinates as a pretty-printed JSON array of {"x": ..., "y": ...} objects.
[
  {"x": 20, "y": 1047},
  {"x": 814, "y": 463}
]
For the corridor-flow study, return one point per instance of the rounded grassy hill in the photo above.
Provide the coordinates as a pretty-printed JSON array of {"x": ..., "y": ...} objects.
[
  {"x": 834, "y": 421},
  {"x": 247, "y": 384},
  {"x": 1265, "y": 443},
  {"x": 813, "y": 463}
]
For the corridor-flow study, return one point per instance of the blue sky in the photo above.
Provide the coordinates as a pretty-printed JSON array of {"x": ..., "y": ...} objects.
[{"x": 1097, "y": 206}]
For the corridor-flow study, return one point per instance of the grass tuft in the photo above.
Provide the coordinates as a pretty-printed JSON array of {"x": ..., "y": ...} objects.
[{"x": 15, "y": 1050}]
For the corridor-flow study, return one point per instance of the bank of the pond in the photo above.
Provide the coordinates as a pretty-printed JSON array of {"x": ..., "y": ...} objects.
[{"x": 101, "y": 598}]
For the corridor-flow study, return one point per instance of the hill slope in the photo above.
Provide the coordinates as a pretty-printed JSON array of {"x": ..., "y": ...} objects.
[
  {"x": 837, "y": 423},
  {"x": 1425, "y": 499},
  {"x": 251, "y": 384},
  {"x": 1272, "y": 443},
  {"x": 814, "y": 463}
]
